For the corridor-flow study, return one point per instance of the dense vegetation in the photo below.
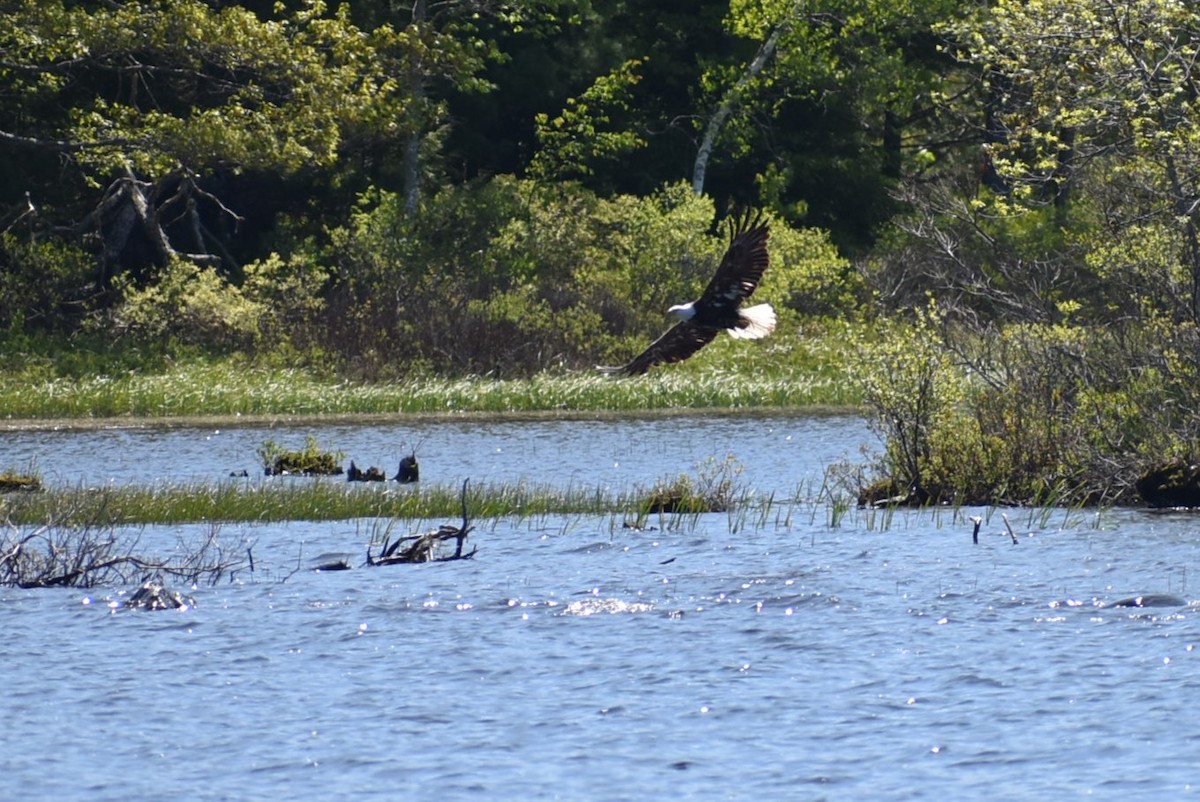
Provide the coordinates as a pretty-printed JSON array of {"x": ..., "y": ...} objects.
[{"x": 991, "y": 208}]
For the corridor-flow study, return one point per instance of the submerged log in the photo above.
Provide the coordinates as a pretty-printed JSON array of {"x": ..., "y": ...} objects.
[
  {"x": 1149, "y": 600},
  {"x": 329, "y": 561},
  {"x": 884, "y": 493},
  {"x": 426, "y": 548}
]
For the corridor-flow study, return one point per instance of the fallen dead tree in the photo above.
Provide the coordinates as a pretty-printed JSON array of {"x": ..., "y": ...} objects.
[
  {"x": 427, "y": 547},
  {"x": 86, "y": 556}
]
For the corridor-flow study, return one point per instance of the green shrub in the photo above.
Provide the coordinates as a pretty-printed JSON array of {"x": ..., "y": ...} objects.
[
  {"x": 808, "y": 275},
  {"x": 287, "y": 295},
  {"x": 509, "y": 277},
  {"x": 45, "y": 285},
  {"x": 1030, "y": 413},
  {"x": 192, "y": 305},
  {"x": 912, "y": 387}
]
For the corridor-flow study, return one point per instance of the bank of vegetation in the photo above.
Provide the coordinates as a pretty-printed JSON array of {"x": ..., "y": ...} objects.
[{"x": 984, "y": 217}]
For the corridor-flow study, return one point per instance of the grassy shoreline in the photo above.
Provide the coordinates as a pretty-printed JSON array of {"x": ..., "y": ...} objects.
[
  {"x": 230, "y": 394},
  {"x": 63, "y": 388},
  {"x": 229, "y": 421}
]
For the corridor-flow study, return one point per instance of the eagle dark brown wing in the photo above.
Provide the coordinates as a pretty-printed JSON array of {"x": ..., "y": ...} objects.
[
  {"x": 741, "y": 267},
  {"x": 677, "y": 344}
]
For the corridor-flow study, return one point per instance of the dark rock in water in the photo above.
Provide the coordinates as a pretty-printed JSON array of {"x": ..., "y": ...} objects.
[
  {"x": 409, "y": 471},
  {"x": 1150, "y": 600},
  {"x": 331, "y": 561},
  {"x": 334, "y": 565},
  {"x": 1171, "y": 484},
  {"x": 242, "y": 474},
  {"x": 153, "y": 595}
]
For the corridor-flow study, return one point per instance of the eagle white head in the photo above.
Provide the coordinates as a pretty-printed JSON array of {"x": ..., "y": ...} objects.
[{"x": 683, "y": 311}]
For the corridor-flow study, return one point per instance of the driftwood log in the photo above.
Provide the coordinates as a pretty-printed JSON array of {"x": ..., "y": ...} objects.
[
  {"x": 88, "y": 556},
  {"x": 425, "y": 548}
]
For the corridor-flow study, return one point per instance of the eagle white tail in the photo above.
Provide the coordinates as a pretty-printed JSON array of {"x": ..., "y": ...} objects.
[{"x": 760, "y": 321}]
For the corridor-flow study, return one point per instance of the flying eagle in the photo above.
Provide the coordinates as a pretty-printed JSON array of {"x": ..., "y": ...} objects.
[{"x": 718, "y": 307}]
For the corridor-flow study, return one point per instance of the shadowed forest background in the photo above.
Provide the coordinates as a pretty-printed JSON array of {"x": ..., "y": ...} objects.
[{"x": 993, "y": 205}]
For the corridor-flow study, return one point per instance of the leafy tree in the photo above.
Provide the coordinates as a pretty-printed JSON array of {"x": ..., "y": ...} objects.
[
  {"x": 448, "y": 45},
  {"x": 581, "y": 135},
  {"x": 157, "y": 107},
  {"x": 854, "y": 83},
  {"x": 1096, "y": 103}
]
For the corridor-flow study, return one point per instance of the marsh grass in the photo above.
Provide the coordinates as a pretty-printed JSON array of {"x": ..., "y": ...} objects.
[
  {"x": 305, "y": 499},
  {"x": 274, "y": 499},
  {"x": 390, "y": 508},
  {"x": 799, "y": 371},
  {"x": 220, "y": 390}
]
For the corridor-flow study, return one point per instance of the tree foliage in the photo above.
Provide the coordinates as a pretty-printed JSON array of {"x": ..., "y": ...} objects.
[
  {"x": 1096, "y": 102},
  {"x": 168, "y": 114},
  {"x": 513, "y": 277}
]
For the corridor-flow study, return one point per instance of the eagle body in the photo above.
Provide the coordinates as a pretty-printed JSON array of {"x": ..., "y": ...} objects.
[{"x": 719, "y": 307}]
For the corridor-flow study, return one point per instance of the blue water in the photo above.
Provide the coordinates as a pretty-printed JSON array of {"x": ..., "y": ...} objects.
[
  {"x": 805, "y": 656},
  {"x": 775, "y": 453}
]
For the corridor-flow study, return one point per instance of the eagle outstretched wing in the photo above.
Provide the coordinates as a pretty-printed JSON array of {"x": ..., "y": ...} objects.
[
  {"x": 737, "y": 277},
  {"x": 677, "y": 344},
  {"x": 743, "y": 265}
]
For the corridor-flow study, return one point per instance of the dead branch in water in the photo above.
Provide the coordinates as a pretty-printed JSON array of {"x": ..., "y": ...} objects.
[
  {"x": 88, "y": 555},
  {"x": 424, "y": 548},
  {"x": 1011, "y": 533}
]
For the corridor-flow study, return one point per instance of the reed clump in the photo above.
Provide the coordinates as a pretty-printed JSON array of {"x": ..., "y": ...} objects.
[{"x": 308, "y": 461}]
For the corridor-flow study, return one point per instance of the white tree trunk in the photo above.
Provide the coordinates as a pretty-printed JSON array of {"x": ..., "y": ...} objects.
[
  {"x": 412, "y": 145},
  {"x": 733, "y": 97}
]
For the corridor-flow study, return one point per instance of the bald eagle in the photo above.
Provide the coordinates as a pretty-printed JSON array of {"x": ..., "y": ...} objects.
[{"x": 719, "y": 306}]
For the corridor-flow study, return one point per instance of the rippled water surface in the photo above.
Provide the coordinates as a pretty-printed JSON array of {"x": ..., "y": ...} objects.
[
  {"x": 806, "y": 655},
  {"x": 775, "y": 452}
]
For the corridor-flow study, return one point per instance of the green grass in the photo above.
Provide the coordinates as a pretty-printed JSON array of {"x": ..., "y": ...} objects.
[
  {"x": 813, "y": 507},
  {"x": 793, "y": 371},
  {"x": 310, "y": 500},
  {"x": 714, "y": 487}
]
